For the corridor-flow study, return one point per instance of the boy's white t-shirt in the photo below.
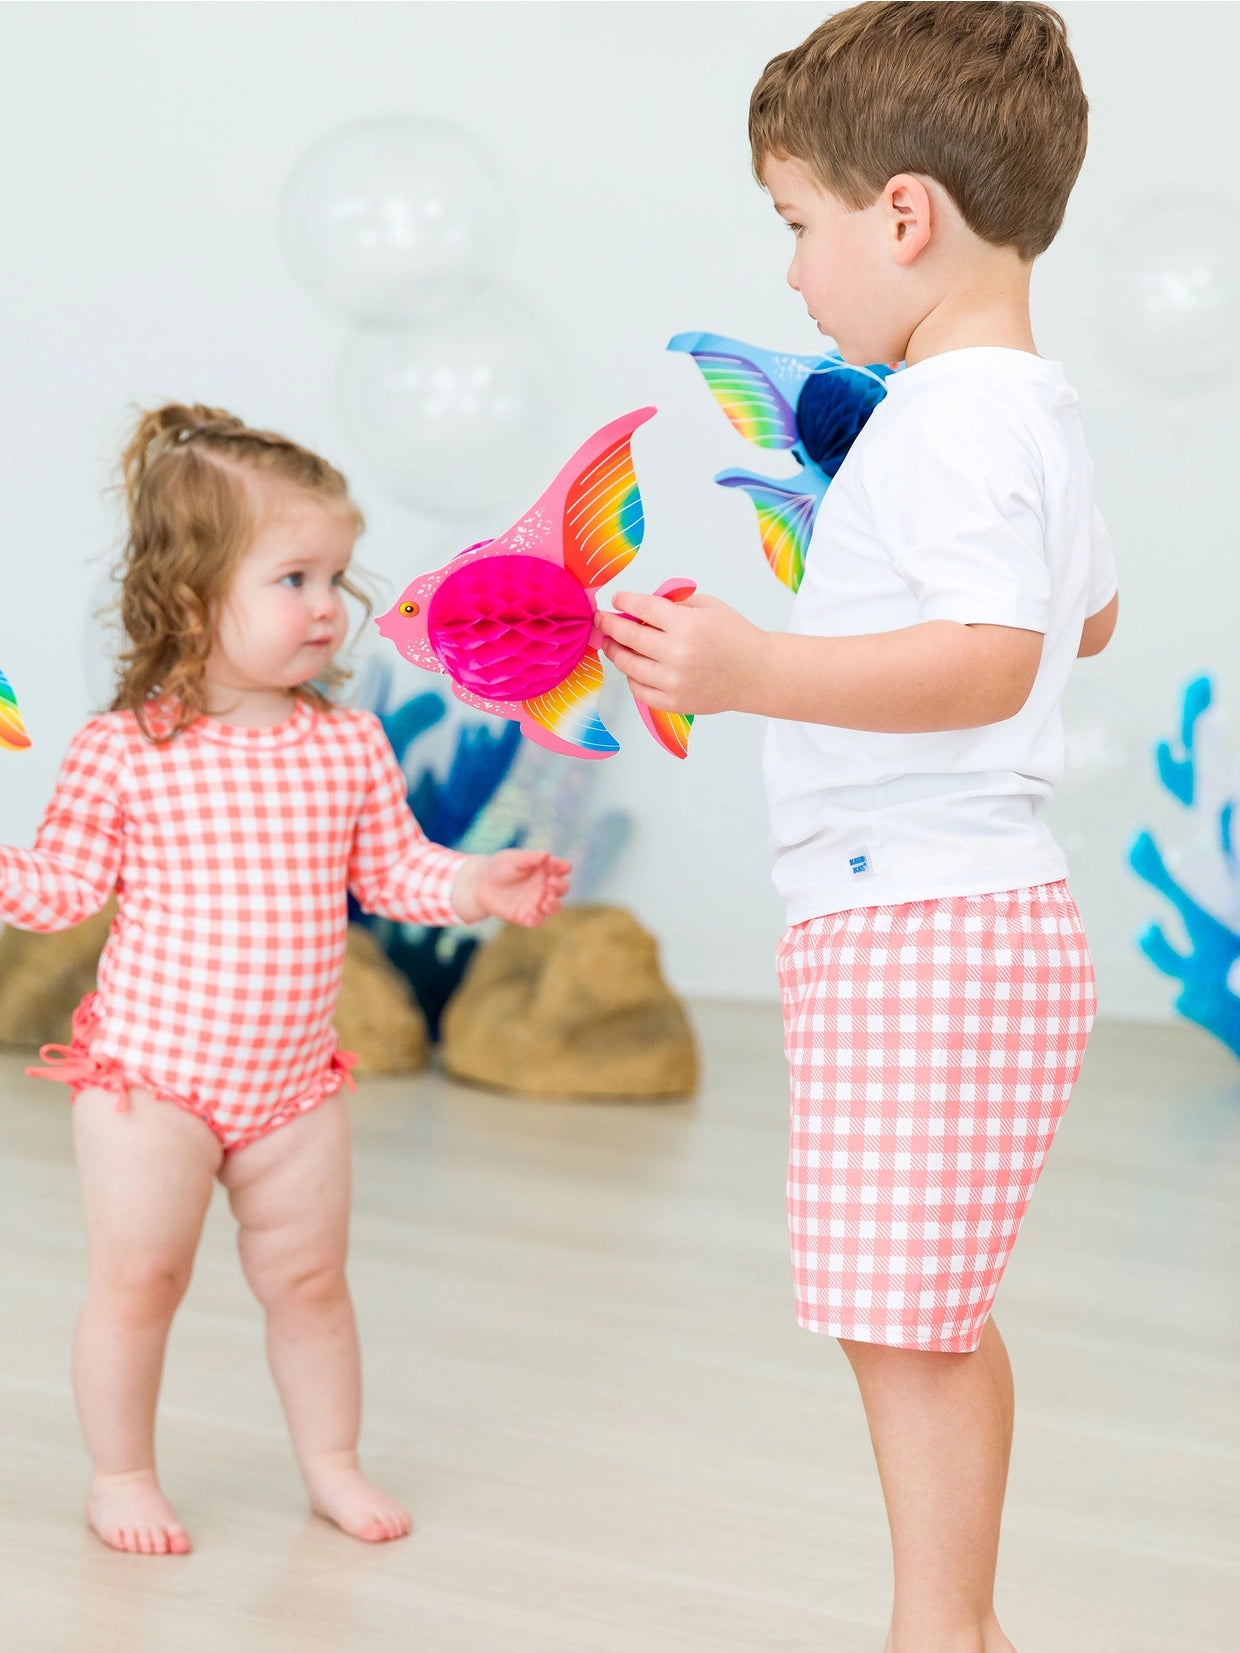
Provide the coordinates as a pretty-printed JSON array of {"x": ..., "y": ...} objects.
[{"x": 968, "y": 496}]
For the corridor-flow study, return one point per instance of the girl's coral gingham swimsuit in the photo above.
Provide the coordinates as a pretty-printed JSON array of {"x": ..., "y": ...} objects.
[{"x": 230, "y": 851}]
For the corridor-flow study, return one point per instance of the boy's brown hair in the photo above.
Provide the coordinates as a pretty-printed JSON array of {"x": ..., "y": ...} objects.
[{"x": 983, "y": 96}]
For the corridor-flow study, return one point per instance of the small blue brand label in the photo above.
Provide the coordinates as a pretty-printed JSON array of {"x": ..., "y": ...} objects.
[{"x": 859, "y": 865}]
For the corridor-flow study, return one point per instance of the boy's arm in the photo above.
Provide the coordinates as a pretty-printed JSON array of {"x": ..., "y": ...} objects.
[
  {"x": 1099, "y": 629},
  {"x": 76, "y": 860},
  {"x": 702, "y": 656}
]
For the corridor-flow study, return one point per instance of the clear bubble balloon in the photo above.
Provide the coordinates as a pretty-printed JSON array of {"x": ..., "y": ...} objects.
[
  {"x": 394, "y": 220},
  {"x": 453, "y": 418},
  {"x": 1170, "y": 293}
]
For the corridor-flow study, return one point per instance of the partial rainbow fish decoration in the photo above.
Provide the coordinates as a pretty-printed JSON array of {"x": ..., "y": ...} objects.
[
  {"x": 13, "y": 736},
  {"x": 814, "y": 406},
  {"x": 512, "y": 620}
]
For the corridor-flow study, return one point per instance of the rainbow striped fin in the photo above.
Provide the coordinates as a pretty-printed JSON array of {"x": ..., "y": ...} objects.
[
  {"x": 670, "y": 729},
  {"x": 603, "y": 517},
  {"x": 566, "y": 718},
  {"x": 590, "y": 519},
  {"x": 13, "y": 736},
  {"x": 786, "y": 513},
  {"x": 756, "y": 389}
]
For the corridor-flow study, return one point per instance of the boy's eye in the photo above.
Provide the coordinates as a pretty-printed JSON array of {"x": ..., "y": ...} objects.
[{"x": 298, "y": 579}]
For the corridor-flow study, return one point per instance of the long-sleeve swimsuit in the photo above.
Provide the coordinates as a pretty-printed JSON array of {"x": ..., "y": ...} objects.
[{"x": 230, "y": 851}]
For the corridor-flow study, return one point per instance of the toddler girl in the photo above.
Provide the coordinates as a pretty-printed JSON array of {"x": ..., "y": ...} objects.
[{"x": 230, "y": 805}]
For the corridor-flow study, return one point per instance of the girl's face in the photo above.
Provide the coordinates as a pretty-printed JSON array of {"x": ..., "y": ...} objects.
[{"x": 284, "y": 618}]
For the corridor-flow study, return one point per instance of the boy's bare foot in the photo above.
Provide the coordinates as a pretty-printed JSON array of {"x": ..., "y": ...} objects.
[
  {"x": 992, "y": 1640},
  {"x": 129, "y": 1512},
  {"x": 341, "y": 1493}
]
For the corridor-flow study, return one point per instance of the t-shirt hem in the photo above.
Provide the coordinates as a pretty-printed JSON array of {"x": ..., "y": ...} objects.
[{"x": 821, "y": 902}]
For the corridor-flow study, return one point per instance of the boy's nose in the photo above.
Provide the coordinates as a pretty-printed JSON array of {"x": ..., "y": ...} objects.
[{"x": 792, "y": 276}]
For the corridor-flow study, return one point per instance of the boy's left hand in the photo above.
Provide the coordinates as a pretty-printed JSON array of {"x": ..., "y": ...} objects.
[
  {"x": 698, "y": 655},
  {"x": 520, "y": 885}
]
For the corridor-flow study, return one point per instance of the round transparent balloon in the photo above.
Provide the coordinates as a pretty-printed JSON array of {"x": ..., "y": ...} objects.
[
  {"x": 394, "y": 220},
  {"x": 1170, "y": 293},
  {"x": 453, "y": 418}
]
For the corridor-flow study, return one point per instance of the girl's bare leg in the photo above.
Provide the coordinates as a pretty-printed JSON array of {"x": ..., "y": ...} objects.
[
  {"x": 941, "y": 1428},
  {"x": 290, "y": 1193},
  {"x": 146, "y": 1177}
]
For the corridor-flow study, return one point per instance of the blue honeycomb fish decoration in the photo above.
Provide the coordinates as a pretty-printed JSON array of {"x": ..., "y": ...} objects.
[{"x": 1195, "y": 779}]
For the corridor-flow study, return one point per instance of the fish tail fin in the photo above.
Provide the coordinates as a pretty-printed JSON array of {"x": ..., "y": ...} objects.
[
  {"x": 670, "y": 729},
  {"x": 786, "y": 513},
  {"x": 13, "y": 736}
]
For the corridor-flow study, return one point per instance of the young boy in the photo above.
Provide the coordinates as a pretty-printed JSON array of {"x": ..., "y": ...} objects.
[{"x": 937, "y": 987}]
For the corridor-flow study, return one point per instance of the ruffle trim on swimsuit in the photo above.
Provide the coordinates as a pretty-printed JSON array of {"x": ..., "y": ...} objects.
[{"x": 73, "y": 1065}]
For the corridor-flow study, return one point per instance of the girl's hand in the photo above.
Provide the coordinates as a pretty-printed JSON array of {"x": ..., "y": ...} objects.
[
  {"x": 522, "y": 886},
  {"x": 695, "y": 656}
]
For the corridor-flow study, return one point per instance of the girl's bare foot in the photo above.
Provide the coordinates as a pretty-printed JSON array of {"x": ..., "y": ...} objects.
[
  {"x": 129, "y": 1512},
  {"x": 341, "y": 1493}
]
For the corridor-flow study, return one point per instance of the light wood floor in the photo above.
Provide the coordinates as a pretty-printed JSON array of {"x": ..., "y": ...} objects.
[{"x": 584, "y": 1378}]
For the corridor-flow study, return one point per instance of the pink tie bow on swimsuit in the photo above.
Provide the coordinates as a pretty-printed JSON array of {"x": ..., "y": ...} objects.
[{"x": 512, "y": 620}]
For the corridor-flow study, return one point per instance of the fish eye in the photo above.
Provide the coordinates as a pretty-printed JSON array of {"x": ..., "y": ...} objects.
[{"x": 409, "y": 608}]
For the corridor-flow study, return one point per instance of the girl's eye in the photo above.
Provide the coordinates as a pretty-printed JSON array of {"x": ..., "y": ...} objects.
[{"x": 297, "y": 579}]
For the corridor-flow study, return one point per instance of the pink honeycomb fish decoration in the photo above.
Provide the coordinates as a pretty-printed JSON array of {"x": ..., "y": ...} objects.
[{"x": 512, "y": 620}]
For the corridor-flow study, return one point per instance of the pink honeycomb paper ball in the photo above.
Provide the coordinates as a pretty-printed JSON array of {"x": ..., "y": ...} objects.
[{"x": 510, "y": 627}]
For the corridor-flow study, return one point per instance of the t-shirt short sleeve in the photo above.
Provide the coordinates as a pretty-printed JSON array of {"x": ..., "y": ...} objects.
[
  {"x": 958, "y": 507},
  {"x": 1103, "y": 583}
]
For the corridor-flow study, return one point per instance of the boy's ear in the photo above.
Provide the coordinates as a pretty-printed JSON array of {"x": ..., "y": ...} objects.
[{"x": 906, "y": 207}]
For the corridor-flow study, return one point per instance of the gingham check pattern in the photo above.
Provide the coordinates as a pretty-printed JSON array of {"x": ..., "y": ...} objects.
[
  {"x": 230, "y": 851},
  {"x": 933, "y": 1047}
]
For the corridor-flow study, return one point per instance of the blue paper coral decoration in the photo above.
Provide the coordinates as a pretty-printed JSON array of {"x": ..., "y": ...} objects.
[{"x": 1205, "y": 971}]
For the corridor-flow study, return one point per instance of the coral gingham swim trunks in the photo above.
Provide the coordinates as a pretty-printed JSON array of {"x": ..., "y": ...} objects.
[{"x": 933, "y": 1047}]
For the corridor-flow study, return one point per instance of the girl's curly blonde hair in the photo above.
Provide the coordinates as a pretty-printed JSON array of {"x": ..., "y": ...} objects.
[{"x": 187, "y": 476}]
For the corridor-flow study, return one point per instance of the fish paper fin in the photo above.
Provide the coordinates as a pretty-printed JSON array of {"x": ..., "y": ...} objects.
[
  {"x": 603, "y": 517},
  {"x": 13, "y": 736},
  {"x": 756, "y": 389},
  {"x": 786, "y": 514},
  {"x": 589, "y": 520},
  {"x": 566, "y": 718},
  {"x": 670, "y": 729},
  {"x": 510, "y": 709}
]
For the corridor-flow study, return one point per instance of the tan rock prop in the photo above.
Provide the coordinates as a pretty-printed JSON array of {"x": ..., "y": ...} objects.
[
  {"x": 376, "y": 1014},
  {"x": 577, "y": 1007},
  {"x": 42, "y": 977}
]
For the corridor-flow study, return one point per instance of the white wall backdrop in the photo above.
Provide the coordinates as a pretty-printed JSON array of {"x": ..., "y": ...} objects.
[{"x": 145, "y": 146}]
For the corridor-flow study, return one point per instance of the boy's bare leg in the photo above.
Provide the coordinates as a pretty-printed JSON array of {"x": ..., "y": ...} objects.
[
  {"x": 146, "y": 1176},
  {"x": 941, "y": 1428},
  {"x": 290, "y": 1193}
]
